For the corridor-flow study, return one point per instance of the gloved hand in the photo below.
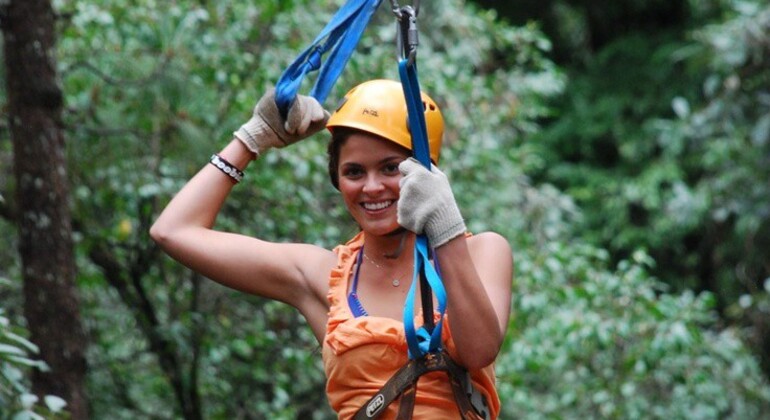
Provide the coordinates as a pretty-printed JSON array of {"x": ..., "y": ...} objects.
[
  {"x": 427, "y": 205},
  {"x": 266, "y": 128}
]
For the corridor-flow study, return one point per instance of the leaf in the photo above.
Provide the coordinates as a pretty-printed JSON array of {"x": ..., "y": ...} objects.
[
  {"x": 681, "y": 107},
  {"x": 761, "y": 132},
  {"x": 54, "y": 403},
  {"x": 28, "y": 400},
  {"x": 27, "y": 415},
  {"x": 23, "y": 341},
  {"x": 9, "y": 349},
  {"x": 29, "y": 362}
]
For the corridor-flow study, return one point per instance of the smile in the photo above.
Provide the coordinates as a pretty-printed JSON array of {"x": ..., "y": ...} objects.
[{"x": 377, "y": 206}]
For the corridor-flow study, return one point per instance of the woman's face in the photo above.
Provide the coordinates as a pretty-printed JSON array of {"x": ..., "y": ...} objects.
[{"x": 368, "y": 181}]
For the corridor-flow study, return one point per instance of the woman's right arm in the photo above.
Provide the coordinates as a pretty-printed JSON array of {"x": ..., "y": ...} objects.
[
  {"x": 185, "y": 231},
  {"x": 292, "y": 273}
]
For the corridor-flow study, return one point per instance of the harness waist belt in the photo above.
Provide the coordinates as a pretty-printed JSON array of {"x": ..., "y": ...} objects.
[{"x": 471, "y": 403}]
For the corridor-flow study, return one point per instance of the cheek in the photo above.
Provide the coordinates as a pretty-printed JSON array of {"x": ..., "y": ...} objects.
[
  {"x": 393, "y": 183},
  {"x": 348, "y": 192}
]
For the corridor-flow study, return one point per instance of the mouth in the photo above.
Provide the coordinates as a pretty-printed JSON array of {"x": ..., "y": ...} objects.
[{"x": 378, "y": 205}]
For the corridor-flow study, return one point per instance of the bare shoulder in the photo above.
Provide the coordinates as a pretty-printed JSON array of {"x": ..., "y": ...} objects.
[
  {"x": 491, "y": 254},
  {"x": 493, "y": 260},
  {"x": 490, "y": 244}
]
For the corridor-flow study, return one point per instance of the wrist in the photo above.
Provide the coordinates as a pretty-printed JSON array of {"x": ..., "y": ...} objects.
[
  {"x": 446, "y": 225},
  {"x": 238, "y": 154},
  {"x": 257, "y": 136},
  {"x": 227, "y": 168}
]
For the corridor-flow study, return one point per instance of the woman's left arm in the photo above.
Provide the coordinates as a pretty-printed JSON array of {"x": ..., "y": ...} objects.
[{"x": 477, "y": 272}]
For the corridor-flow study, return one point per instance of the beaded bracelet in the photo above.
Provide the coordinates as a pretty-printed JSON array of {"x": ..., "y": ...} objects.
[{"x": 235, "y": 174}]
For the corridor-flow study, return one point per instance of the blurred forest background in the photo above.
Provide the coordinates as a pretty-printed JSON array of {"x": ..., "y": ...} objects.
[{"x": 623, "y": 148}]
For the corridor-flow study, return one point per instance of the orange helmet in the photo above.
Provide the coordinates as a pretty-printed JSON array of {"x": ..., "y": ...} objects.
[{"x": 379, "y": 107}]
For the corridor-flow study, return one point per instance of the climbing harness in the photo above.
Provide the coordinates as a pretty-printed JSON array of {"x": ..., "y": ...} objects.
[
  {"x": 426, "y": 353},
  {"x": 470, "y": 402}
]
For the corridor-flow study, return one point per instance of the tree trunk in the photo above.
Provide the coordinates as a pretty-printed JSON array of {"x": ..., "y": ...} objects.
[{"x": 45, "y": 232}]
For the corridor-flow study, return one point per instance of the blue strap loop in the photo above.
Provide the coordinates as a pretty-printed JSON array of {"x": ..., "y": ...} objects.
[
  {"x": 424, "y": 340},
  {"x": 339, "y": 38}
]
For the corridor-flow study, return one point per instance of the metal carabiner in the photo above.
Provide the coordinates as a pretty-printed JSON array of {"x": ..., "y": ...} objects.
[
  {"x": 394, "y": 6},
  {"x": 407, "y": 38}
]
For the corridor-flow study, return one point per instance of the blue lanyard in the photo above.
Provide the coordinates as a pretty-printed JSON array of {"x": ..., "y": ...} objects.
[
  {"x": 426, "y": 339},
  {"x": 340, "y": 37}
]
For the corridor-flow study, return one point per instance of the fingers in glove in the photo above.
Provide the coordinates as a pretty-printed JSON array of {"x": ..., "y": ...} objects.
[
  {"x": 304, "y": 112},
  {"x": 409, "y": 165}
]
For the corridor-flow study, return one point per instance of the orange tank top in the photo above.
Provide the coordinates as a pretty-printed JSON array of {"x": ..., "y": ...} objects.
[{"x": 361, "y": 354}]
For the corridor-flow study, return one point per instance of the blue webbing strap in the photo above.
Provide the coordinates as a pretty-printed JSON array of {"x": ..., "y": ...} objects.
[
  {"x": 340, "y": 36},
  {"x": 422, "y": 341}
]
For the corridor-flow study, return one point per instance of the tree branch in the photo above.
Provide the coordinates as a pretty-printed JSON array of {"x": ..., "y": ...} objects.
[
  {"x": 132, "y": 293},
  {"x": 157, "y": 71}
]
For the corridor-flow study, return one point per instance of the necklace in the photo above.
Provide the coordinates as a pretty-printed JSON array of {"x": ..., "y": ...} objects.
[{"x": 395, "y": 282}]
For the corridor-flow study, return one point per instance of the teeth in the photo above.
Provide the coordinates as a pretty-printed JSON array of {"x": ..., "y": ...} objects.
[{"x": 378, "y": 206}]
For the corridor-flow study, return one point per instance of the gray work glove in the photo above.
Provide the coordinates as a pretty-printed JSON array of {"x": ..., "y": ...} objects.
[
  {"x": 266, "y": 128},
  {"x": 427, "y": 205}
]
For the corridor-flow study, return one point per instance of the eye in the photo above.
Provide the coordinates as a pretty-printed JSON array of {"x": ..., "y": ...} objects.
[
  {"x": 391, "y": 168},
  {"x": 352, "y": 172}
]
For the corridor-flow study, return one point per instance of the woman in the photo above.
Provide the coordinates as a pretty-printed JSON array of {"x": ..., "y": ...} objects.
[{"x": 353, "y": 296}]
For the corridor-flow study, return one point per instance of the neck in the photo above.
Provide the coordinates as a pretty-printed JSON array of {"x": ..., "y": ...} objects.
[{"x": 390, "y": 249}]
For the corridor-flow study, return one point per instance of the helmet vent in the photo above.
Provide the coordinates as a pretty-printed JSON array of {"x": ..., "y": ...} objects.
[{"x": 342, "y": 102}]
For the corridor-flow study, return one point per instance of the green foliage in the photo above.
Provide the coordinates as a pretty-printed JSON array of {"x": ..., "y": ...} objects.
[
  {"x": 722, "y": 143},
  {"x": 592, "y": 342},
  {"x": 17, "y": 357},
  {"x": 597, "y": 154},
  {"x": 662, "y": 143},
  {"x": 729, "y": 129},
  {"x": 153, "y": 88}
]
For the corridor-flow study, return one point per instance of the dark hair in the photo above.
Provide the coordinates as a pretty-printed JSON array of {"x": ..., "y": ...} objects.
[{"x": 339, "y": 136}]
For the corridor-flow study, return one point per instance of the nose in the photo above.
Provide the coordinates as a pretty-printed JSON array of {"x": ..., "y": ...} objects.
[{"x": 373, "y": 184}]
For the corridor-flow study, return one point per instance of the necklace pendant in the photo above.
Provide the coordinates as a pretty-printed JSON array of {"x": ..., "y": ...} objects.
[{"x": 395, "y": 282}]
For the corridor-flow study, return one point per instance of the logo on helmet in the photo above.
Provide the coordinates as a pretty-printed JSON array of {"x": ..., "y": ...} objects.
[{"x": 372, "y": 112}]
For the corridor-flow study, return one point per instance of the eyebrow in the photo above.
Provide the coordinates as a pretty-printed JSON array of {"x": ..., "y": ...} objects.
[{"x": 380, "y": 162}]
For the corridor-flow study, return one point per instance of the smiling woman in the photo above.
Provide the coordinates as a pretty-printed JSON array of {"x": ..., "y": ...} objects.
[
  {"x": 369, "y": 179},
  {"x": 351, "y": 296}
]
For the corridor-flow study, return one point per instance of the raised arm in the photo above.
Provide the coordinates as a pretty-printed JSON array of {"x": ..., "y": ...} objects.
[{"x": 292, "y": 273}]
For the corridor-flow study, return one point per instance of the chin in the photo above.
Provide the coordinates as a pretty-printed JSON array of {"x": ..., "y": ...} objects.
[{"x": 380, "y": 229}]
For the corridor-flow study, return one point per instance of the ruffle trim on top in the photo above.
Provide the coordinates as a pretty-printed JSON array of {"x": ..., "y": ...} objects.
[{"x": 344, "y": 331}]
